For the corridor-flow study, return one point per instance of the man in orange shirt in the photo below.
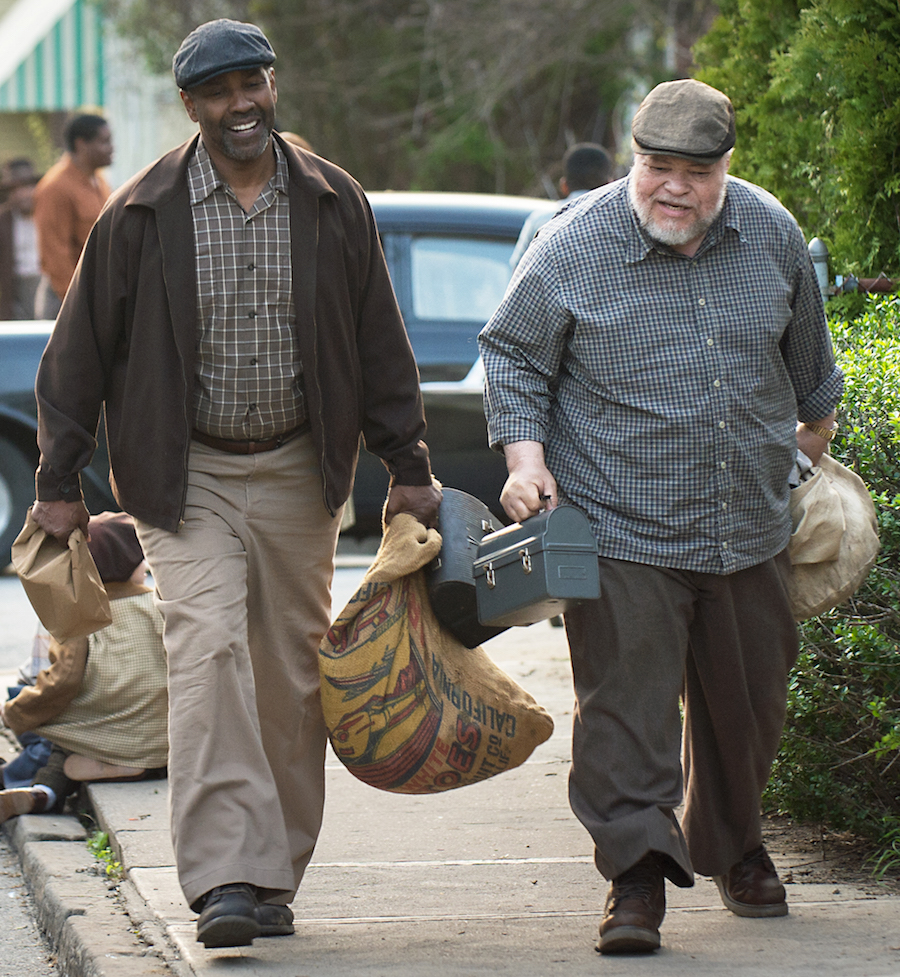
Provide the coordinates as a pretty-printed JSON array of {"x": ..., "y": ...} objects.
[{"x": 67, "y": 201}]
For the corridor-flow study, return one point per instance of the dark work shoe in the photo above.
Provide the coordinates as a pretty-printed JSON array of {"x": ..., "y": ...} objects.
[
  {"x": 229, "y": 916},
  {"x": 635, "y": 906},
  {"x": 274, "y": 920},
  {"x": 752, "y": 887}
]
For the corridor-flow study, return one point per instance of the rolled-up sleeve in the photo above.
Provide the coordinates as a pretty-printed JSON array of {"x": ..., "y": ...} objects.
[{"x": 806, "y": 347}]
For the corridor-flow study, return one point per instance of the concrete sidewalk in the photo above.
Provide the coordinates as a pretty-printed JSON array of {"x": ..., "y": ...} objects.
[{"x": 493, "y": 879}]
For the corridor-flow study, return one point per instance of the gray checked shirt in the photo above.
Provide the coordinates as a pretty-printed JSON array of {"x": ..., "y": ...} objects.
[
  {"x": 249, "y": 382},
  {"x": 665, "y": 389}
]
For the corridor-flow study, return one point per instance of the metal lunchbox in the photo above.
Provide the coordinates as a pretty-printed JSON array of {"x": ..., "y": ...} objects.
[
  {"x": 536, "y": 569},
  {"x": 463, "y": 521}
]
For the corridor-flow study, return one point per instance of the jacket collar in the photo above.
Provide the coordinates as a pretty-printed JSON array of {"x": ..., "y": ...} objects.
[{"x": 167, "y": 177}]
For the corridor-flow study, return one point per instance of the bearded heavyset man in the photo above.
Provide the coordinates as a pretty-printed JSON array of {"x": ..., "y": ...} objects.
[
  {"x": 233, "y": 316},
  {"x": 655, "y": 351}
]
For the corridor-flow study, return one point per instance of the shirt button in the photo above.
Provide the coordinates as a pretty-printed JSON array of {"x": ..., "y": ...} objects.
[
  {"x": 723, "y": 464},
  {"x": 717, "y": 383},
  {"x": 710, "y": 342},
  {"x": 724, "y": 505},
  {"x": 725, "y": 545},
  {"x": 254, "y": 361},
  {"x": 702, "y": 302},
  {"x": 253, "y": 407},
  {"x": 252, "y": 314},
  {"x": 721, "y": 423},
  {"x": 251, "y": 267}
]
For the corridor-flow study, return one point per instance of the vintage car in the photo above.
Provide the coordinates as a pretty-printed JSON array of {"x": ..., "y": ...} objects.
[{"x": 448, "y": 255}]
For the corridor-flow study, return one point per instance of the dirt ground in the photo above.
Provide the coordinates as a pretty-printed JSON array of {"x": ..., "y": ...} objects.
[{"x": 806, "y": 853}]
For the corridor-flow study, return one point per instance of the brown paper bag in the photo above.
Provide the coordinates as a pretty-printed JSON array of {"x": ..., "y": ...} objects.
[
  {"x": 61, "y": 582},
  {"x": 409, "y": 709}
]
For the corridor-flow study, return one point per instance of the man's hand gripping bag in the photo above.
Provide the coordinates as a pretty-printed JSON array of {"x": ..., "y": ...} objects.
[{"x": 409, "y": 709}]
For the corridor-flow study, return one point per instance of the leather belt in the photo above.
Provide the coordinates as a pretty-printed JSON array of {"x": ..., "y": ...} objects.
[{"x": 249, "y": 447}]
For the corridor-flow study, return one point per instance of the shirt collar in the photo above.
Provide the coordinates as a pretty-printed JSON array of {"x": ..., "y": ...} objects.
[
  {"x": 204, "y": 179},
  {"x": 641, "y": 243}
]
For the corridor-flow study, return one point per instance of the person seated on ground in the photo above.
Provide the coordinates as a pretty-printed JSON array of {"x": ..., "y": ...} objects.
[
  {"x": 102, "y": 703},
  {"x": 34, "y": 750}
]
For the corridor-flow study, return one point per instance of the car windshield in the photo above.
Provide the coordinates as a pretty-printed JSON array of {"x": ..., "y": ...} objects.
[{"x": 458, "y": 278}]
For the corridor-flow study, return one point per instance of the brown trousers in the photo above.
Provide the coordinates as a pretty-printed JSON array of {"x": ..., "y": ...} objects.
[
  {"x": 244, "y": 589},
  {"x": 725, "y": 645}
]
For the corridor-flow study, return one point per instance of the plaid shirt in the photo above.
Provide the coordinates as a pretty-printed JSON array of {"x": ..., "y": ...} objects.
[
  {"x": 249, "y": 382},
  {"x": 665, "y": 389}
]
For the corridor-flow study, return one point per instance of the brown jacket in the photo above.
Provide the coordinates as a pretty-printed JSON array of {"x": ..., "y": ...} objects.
[{"x": 126, "y": 336}]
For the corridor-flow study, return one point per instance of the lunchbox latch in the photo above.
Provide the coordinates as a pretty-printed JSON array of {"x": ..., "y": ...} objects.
[{"x": 526, "y": 560}]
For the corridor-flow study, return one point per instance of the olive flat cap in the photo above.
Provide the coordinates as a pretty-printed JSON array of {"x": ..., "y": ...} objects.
[
  {"x": 219, "y": 46},
  {"x": 684, "y": 118}
]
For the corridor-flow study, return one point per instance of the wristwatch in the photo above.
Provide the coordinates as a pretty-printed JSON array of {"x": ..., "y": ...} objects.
[{"x": 826, "y": 434}]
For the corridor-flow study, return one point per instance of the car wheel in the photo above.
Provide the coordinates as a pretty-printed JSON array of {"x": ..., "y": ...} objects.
[{"x": 16, "y": 495}]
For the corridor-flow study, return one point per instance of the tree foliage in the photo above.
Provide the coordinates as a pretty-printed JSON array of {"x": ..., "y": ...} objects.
[
  {"x": 449, "y": 94},
  {"x": 816, "y": 87},
  {"x": 159, "y": 26}
]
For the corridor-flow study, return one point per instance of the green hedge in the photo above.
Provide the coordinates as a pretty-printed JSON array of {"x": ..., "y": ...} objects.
[{"x": 840, "y": 759}]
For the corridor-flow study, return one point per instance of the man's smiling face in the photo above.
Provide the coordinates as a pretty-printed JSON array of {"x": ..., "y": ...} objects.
[
  {"x": 677, "y": 200},
  {"x": 236, "y": 112}
]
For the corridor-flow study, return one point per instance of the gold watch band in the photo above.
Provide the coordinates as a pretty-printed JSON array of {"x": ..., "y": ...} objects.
[{"x": 826, "y": 434}]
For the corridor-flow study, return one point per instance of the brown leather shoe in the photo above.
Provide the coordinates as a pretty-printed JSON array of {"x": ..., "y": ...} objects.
[
  {"x": 752, "y": 887},
  {"x": 17, "y": 800},
  {"x": 635, "y": 906}
]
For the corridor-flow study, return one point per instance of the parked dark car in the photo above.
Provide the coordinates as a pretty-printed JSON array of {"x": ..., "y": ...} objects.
[
  {"x": 448, "y": 255},
  {"x": 21, "y": 345}
]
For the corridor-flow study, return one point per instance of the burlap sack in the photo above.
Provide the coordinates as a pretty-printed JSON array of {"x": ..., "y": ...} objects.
[
  {"x": 61, "y": 582},
  {"x": 834, "y": 542},
  {"x": 408, "y": 708}
]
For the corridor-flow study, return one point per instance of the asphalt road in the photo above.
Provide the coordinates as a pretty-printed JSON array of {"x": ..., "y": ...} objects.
[
  {"x": 23, "y": 950},
  {"x": 18, "y": 623}
]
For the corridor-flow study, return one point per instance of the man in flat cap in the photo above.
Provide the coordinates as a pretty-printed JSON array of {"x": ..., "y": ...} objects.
[
  {"x": 659, "y": 356},
  {"x": 233, "y": 317}
]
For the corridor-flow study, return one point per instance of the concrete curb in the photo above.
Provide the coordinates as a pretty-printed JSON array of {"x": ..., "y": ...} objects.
[{"x": 87, "y": 918}]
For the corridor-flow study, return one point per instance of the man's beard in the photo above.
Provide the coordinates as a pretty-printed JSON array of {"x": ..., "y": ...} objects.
[
  {"x": 668, "y": 231},
  {"x": 233, "y": 150}
]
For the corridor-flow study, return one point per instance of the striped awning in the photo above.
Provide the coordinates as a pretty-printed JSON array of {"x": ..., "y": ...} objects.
[{"x": 53, "y": 56}]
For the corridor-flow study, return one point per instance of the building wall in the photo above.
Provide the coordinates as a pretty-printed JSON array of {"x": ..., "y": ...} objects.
[{"x": 144, "y": 111}]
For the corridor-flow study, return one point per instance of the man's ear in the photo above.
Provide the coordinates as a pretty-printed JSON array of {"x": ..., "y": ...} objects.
[{"x": 188, "y": 105}]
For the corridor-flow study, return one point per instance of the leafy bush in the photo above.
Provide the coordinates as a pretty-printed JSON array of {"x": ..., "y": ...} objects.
[
  {"x": 816, "y": 87},
  {"x": 840, "y": 758}
]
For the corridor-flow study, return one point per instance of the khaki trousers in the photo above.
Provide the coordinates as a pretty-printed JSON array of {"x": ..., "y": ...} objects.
[
  {"x": 244, "y": 589},
  {"x": 724, "y": 643}
]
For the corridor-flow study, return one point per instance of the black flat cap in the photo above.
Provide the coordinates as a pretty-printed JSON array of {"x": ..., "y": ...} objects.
[
  {"x": 219, "y": 46},
  {"x": 684, "y": 118}
]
